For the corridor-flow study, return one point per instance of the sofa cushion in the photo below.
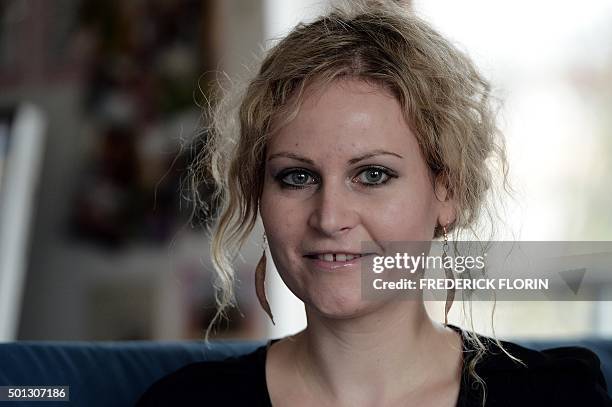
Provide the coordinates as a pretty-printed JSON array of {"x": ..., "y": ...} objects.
[{"x": 104, "y": 373}]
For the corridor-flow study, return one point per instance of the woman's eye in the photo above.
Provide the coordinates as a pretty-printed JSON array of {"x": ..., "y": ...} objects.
[
  {"x": 374, "y": 176},
  {"x": 295, "y": 179},
  {"x": 299, "y": 179}
]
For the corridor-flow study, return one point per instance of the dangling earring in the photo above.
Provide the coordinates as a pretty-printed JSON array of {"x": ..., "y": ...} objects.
[
  {"x": 260, "y": 279},
  {"x": 450, "y": 293}
]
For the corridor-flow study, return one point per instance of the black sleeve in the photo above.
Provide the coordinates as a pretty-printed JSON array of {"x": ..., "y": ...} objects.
[
  {"x": 560, "y": 377},
  {"x": 578, "y": 379},
  {"x": 189, "y": 386},
  {"x": 205, "y": 384}
]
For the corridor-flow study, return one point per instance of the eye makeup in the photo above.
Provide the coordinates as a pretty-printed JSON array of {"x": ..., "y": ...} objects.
[{"x": 300, "y": 178}]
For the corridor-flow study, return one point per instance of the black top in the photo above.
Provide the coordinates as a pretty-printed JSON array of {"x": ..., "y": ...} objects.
[{"x": 567, "y": 376}]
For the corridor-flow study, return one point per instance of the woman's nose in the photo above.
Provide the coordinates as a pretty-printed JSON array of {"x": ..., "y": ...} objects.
[{"x": 332, "y": 211}]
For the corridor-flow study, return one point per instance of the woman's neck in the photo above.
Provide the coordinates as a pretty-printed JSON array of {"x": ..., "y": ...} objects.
[{"x": 377, "y": 358}]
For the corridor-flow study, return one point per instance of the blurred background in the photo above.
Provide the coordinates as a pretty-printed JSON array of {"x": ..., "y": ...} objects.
[{"x": 100, "y": 118}]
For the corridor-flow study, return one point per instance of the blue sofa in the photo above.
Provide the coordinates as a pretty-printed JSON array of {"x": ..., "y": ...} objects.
[{"x": 116, "y": 373}]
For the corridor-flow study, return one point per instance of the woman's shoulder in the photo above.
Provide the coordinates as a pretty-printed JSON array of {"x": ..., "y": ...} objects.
[
  {"x": 569, "y": 375},
  {"x": 214, "y": 382},
  {"x": 568, "y": 362}
]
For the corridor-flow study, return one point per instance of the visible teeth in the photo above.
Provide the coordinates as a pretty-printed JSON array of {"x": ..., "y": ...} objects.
[{"x": 337, "y": 257}]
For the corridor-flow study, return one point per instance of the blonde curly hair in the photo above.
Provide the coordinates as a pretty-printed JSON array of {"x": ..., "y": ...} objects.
[{"x": 445, "y": 100}]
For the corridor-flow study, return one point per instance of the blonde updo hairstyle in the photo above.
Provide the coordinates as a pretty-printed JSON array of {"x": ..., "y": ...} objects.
[{"x": 445, "y": 100}]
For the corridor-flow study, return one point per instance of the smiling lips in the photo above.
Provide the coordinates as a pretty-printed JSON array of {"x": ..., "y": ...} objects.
[
  {"x": 335, "y": 256},
  {"x": 335, "y": 261}
]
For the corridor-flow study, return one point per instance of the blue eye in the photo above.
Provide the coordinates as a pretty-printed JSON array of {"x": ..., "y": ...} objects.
[
  {"x": 374, "y": 176},
  {"x": 295, "y": 179}
]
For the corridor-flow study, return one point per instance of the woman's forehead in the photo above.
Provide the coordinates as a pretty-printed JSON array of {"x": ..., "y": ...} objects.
[{"x": 345, "y": 115}]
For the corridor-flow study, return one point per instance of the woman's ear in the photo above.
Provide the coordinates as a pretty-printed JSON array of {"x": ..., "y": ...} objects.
[{"x": 447, "y": 212}]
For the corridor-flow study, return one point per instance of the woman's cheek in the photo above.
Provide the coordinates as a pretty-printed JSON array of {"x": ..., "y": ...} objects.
[
  {"x": 282, "y": 225},
  {"x": 401, "y": 221},
  {"x": 284, "y": 219}
]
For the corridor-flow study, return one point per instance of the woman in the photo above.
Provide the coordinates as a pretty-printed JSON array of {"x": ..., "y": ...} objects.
[{"x": 364, "y": 125}]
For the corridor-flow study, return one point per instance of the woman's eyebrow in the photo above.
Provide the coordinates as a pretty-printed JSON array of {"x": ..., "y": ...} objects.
[
  {"x": 372, "y": 154},
  {"x": 349, "y": 162},
  {"x": 291, "y": 155}
]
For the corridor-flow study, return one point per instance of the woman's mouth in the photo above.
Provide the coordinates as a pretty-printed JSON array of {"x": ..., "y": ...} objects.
[{"x": 336, "y": 261}]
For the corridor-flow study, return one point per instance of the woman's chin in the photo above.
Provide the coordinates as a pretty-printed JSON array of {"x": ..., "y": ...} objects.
[{"x": 342, "y": 307}]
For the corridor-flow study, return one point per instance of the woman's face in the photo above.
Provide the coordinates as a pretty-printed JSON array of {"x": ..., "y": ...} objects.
[{"x": 346, "y": 170}]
